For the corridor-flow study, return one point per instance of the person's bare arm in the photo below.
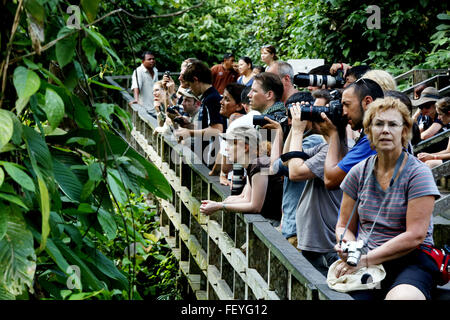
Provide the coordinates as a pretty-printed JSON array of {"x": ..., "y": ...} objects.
[{"x": 431, "y": 131}]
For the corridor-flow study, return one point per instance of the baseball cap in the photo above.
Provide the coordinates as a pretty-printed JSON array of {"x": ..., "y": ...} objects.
[{"x": 247, "y": 133}]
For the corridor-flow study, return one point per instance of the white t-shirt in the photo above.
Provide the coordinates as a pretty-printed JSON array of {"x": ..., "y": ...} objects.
[{"x": 142, "y": 80}]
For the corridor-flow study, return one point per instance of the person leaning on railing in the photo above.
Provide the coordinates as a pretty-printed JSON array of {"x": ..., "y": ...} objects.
[
  {"x": 394, "y": 205},
  {"x": 262, "y": 192},
  {"x": 434, "y": 159}
]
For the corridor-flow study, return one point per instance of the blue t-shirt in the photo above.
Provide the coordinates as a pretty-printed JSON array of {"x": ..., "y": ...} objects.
[{"x": 360, "y": 151}]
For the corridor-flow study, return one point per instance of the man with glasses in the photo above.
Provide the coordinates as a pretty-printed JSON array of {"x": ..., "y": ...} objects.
[{"x": 355, "y": 100}]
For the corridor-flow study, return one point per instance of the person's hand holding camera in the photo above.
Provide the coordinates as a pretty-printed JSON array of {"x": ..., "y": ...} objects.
[
  {"x": 327, "y": 127},
  {"x": 336, "y": 66},
  {"x": 298, "y": 125},
  {"x": 272, "y": 125}
]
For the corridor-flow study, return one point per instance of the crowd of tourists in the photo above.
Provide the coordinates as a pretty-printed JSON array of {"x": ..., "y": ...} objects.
[{"x": 331, "y": 165}]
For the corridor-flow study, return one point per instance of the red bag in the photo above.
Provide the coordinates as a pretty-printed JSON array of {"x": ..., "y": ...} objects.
[{"x": 441, "y": 257}]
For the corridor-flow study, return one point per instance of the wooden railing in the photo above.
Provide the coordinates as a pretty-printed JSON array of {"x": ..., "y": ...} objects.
[{"x": 226, "y": 255}]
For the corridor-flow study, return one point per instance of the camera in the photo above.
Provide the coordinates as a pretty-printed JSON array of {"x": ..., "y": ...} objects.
[
  {"x": 333, "y": 111},
  {"x": 167, "y": 73},
  {"x": 238, "y": 180},
  {"x": 182, "y": 121},
  {"x": 353, "y": 248},
  {"x": 175, "y": 109},
  {"x": 316, "y": 80},
  {"x": 279, "y": 117}
]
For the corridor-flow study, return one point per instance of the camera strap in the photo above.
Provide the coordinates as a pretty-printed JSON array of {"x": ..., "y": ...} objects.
[{"x": 371, "y": 165}]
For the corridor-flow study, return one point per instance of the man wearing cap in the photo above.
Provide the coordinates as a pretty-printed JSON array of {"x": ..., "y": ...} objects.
[
  {"x": 191, "y": 106},
  {"x": 426, "y": 115}
]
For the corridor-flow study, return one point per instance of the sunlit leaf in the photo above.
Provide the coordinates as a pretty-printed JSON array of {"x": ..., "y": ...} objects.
[
  {"x": 27, "y": 83},
  {"x": 19, "y": 176},
  {"x": 18, "y": 259},
  {"x": 6, "y": 127}
]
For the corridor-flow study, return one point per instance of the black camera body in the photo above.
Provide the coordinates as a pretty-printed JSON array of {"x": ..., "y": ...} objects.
[
  {"x": 280, "y": 117},
  {"x": 334, "y": 111},
  {"x": 167, "y": 73},
  {"x": 317, "y": 80},
  {"x": 181, "y": 121},
  {"x": 175, "y": 109}
]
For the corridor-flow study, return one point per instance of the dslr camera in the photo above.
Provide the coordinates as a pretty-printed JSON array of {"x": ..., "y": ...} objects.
[
  {"x": 174, "y": 109},
  {"x": 353, "y": 248},
  {"x": 333, "y": 111},
  {"x": 316, "y": 80}
]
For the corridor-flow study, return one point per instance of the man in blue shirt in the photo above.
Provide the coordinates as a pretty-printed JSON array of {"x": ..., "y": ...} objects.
[{"x": 355, "y": 101}]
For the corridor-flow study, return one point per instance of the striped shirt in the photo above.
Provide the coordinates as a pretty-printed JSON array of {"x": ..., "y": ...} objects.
[{"x": 415, "y": 180}]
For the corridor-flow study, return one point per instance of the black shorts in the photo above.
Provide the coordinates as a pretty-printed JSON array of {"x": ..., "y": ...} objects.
[{"x": 416, "y": 269}]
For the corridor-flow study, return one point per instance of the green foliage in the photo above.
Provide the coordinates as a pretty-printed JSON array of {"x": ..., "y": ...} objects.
[{"x": 66, "y": 176}]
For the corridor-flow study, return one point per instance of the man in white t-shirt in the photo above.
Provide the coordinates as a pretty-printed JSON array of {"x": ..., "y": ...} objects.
[{"x": 142, "y": 82}]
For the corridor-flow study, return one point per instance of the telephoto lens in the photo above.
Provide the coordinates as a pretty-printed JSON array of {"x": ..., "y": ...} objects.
[
  {"x": 238, "y": 181},
  {"x": 304, "y": 80}
]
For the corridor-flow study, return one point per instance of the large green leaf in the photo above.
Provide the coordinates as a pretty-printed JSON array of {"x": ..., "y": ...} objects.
[
  {"x": 88, "y": 278},
  {"x": 105, "y": 110},
  {"x": 3, "y": 219},
  {"x": 155, "y": 182},
  {"x": 2, "y": 176},
  {"x": 65, "y": 48},
  {"x": 6, "y": 128},
  {"x": 67, "y": 181},
  {"x": 36, "y": 10},
  {"x": 45, "y": 212},
  {"x": 53, "y": 251},
  {"x": 17, "y": 257},
  {"x": 19, "y": 176},
  {"x": 116, "y": 186},
  {"x": 27, "y": 83},
  {"x": 107, "y": 267},
  {"x": 13, "y": 199},
  {"x": 91, "y": 8},
  {"x": 108, "y": 224},
  {"x": 89, "y": 49},
  {"x": 81, "y": 114},
  {"x": 38, "y": 150},
  {"x": 53, "y": 107}
]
